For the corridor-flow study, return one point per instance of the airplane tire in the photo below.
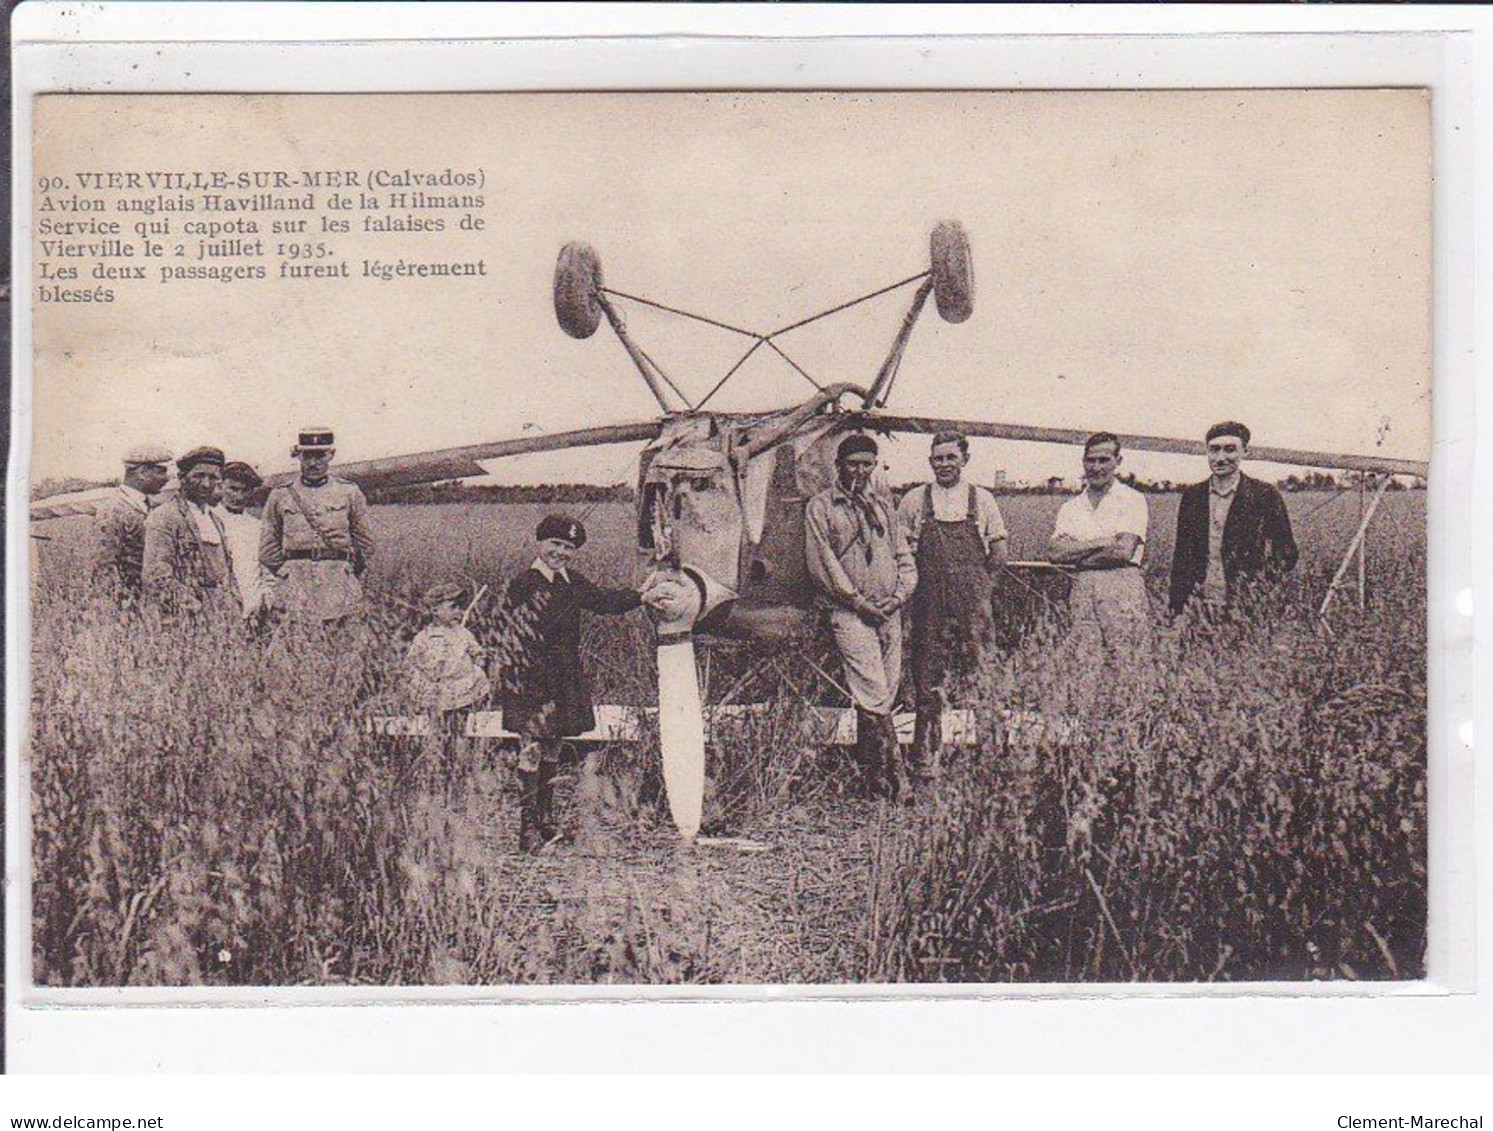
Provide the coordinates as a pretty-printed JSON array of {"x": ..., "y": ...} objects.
[
  {"x": 577, "y": 285},
  {"x": 953, "y": 271}
]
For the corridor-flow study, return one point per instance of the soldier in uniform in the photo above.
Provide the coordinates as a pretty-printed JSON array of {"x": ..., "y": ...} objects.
[
  {"x": 315, "y": 538},
  {"x": 119, "y": 521},
  {"x": 185, "y": 564}
]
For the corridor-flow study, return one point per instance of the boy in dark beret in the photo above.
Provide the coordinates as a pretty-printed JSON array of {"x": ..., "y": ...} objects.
[{"x": 545, "y": 694}]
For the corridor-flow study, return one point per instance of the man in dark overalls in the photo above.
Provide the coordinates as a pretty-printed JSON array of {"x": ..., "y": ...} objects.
[{"x": 957, "y": 534}]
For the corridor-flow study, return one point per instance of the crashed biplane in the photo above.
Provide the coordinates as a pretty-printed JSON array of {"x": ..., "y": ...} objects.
[{"x": 720, "y": 505}]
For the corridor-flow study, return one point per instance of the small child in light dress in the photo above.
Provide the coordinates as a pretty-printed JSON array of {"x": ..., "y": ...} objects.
[
  {"x": 445, "y": 661},
  {"x": 446, "y": 675}
]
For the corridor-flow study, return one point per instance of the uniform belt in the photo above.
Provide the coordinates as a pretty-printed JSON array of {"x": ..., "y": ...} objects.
[{"x": 318, "y": 555}]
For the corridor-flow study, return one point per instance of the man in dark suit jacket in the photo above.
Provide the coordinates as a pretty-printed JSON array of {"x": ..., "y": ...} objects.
[{"x": 1231, "y": 530}]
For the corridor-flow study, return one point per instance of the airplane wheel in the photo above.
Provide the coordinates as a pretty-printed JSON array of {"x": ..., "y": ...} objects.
[
  {"x": 577, "y": 286},
  {"x": 953, "y": 272}
]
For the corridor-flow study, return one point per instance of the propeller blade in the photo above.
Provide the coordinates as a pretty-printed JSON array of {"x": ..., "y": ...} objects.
[
  {"x": 681, "y": 733},
  {"x": 1296, "y": 457}
]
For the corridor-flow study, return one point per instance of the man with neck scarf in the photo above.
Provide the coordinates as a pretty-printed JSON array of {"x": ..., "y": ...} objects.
[
  {"x": 185, "y": 565},
  {"x": 315, "y": 538},
  {"x": 865, "y": 573}
]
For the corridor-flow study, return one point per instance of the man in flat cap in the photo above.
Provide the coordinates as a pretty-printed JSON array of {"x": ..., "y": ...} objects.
[
  {"x": 1233, "y": 532},
  {"x": 864, "y": 571},
  {"x": 316, "y": 539},
  {"x": 545, "y": 694},
  {"x": 240, "y": 481},
  {"x": 186, "y": 565},
  {"x": 119, "y": 521}
]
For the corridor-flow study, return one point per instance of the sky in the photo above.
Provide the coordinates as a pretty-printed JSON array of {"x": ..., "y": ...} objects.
[{"x": 1145, "y": 262}]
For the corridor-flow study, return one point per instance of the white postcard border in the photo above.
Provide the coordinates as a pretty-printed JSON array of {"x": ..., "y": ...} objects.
[{"x": 37, "y": 1019}]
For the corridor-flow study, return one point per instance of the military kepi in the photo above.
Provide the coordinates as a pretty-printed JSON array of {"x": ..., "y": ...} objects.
[
  {"x": 199, "y": 456},
  {"x": 314, "y": 440},
  {"x": 563, "y": 528}
]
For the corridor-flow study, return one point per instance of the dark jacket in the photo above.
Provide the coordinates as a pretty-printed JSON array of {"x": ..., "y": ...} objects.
[
  {"x": 1257, "y": 540},
  {"x": 542, "y": 686}
]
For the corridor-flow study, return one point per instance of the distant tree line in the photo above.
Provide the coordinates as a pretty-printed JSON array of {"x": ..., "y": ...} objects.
[
  {"x": 455, "y": 491},
  {"x": 1310, "y": 481}
]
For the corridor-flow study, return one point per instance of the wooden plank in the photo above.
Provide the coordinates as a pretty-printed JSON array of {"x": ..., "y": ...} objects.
[{"x": 823, "y": 726}]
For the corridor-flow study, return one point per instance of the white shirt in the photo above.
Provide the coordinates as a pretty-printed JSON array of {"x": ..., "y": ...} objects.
[
  {"x": 207, "y": 529},
  {"x": 1220, "y": 502},
  {"x": 242, "y": 531},
  {"x": 951, "y": 504},
  {"x": 1121, "y": 510},
  {"x": 549, "y": 574}
]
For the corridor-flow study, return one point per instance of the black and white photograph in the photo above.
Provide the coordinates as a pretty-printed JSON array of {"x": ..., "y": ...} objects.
[{"x": 729, "y": 538}]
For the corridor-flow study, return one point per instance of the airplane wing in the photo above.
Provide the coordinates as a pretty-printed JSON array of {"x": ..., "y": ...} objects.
[
  {"x": 72, "y": 503},
  {"x": 1296, "y": 457},
  {"x": 461, "y": 463},
  {"x": 400, "y": 471}
]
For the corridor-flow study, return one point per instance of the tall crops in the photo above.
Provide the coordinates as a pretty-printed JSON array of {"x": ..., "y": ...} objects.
[{"x": 1245, "y": 804}]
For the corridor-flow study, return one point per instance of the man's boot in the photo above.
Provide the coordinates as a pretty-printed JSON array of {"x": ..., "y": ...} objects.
[
  {"x": 530, "y": 834},
  {"x": 545, "y": 802},
  {"x": 891, "y": 757},
  {"x": 868, "y": 753},
  {"x": 927, "y": 740}
]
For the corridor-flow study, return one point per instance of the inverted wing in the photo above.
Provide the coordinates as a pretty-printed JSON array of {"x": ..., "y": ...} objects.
[
  {"x": 400, "y": 471},
  {"x": 70, "y": 504},
  {"x": 1293, "y": 456},
  {"x": 462, "y": 463}
]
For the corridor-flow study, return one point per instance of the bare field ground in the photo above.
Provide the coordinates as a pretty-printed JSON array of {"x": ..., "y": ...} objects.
[{"x": 210, "y": 809}]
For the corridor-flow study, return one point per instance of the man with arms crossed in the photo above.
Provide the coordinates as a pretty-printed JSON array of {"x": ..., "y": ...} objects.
[
  {"x": 862, "y": 567},
  {"x": 956, "y": 535},
  {"x": 1101, "y": 533}
]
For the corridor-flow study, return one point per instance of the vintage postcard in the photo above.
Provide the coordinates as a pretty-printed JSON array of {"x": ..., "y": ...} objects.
[{"x": 808, "y": 538}]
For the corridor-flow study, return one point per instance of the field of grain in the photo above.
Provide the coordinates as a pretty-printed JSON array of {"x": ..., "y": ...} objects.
[{"x": 208, "y": 809}]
